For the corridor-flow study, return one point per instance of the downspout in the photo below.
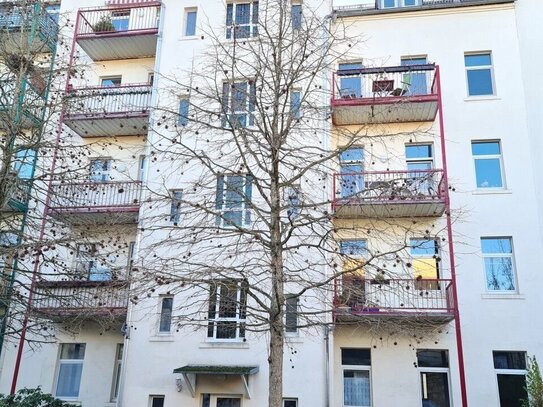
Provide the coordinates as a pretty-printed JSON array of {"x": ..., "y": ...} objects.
[
  {"x": 458, "y": 330},
  {"x": 153, "y": 103}
]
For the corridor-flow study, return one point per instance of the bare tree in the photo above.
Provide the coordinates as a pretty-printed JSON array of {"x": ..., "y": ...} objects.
[{"x": 237, "y": 217}]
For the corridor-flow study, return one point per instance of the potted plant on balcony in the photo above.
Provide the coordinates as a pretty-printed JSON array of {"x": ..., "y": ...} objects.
[
  {"x": 343, "y": 303},
  {"x": 103, "y": 25}
]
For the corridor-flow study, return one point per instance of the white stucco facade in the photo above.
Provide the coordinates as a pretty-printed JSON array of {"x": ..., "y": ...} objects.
[{"x": 315, "y": 371}]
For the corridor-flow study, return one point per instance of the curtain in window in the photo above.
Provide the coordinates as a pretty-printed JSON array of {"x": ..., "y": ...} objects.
[{"x": 356, "y": 388}]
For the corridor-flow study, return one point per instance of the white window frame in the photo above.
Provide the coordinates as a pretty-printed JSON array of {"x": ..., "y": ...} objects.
[
  {"x": 500, "y": 255},
  {"x": 227, "y": 102},
  {"x": 237, "y": 319},
  {"x": 477, "y": 68},
  {"x": 105, "y": 174},
  {"x": 430, "y": 159},
  {"x": 117, "y": 369},
  {"x": 296, "y": 332},
  {"x": 142, "y": 167},
  {"x": 513, "y": 372},
  {"x": 245, "y": 207},
  {"x": 445, "y": 370},
  {"x": 109, "y": 77},
  {"x": 93, "y": 257},
  {"x": 252, "y": 26},
  {"x": 186, "y": 22},
  {"x": 290, "y": 399},
  {"x": 175, "y": 200},
  {"x": 159, "y": 313},
  {"x": 68, "y": 362},
  {"x": 153, "y": 396},
  {"x": 398, "y": 4},
  {"x": 300, "y": 4},
  {"x": 361, "y": 368},
  {"x": 489, "y": 157},
  {"x": 120, "y": 15}
]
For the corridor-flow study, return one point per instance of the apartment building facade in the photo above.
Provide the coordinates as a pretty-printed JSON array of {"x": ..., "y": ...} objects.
[{"x": 439, "y": 95}]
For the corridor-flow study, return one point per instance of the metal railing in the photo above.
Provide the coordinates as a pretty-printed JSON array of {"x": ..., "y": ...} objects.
[
  {"x": 96, "y": 195},
  {"x": 27, "y": 98},
  {"x": 388, "y": 186},
  {"x": 119, "y": 20},
  {"x": 395, "y": 296},
  {"x": 16, "y": 193},
  {"x": 17, "y": 18},
  {"x": 393, "y": 83},
  {"x": 109, "y": 101},
  {"x": 76, "y": 296}
]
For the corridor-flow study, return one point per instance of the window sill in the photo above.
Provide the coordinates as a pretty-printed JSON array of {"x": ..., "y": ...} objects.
[
  {"x": 162, "y": 338},
  {"x": 110, "y": 404},
  {"x": 503, "y": 296},
  {"x": 293, "y": 339},
  {"x": 223, "y": 345},
  {"x": 190, "y": 38},
  {"x": 491, "y": 191},
  {"x": 480, "y": 98}
]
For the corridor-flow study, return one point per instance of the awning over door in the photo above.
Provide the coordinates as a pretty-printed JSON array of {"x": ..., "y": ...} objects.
[{"x": 190, "y": 372}]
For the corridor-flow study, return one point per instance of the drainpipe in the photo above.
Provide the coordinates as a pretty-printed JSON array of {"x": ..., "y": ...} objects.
[{"x": 153, "y": 103}]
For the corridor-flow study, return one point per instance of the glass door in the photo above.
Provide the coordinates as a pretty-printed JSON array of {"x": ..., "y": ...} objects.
[
  {"x": 352, "y": 167},
  {"x": 350, "y": 83},
  {"x": 415, "y": 83}
]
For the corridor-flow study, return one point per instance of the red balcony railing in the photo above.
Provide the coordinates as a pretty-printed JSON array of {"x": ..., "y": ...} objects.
[
  {"x": 103, "y": 111},
  {"x": 84, "y": 299},
  {"x": 366, "y": 95},
  {"x": 119, "y": 32},
  {"x": 111, "y": 196},
  {"x": 394, "y": 297},
  {"x": 422, "y": 189}
]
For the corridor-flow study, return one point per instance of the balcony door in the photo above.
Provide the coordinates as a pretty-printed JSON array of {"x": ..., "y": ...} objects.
[
  {"x": 211, "y": 400},
  {"x": 352, "y": 166},
  {"x": 99, "y": 169},
  {"x": 88, "y": 264},
  {"x": 420, "y": 161},
  {"x": 350, "y": 83},
  {"x": 415, "y": 82}
]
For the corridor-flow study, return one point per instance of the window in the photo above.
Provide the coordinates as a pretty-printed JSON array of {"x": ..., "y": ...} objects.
[
  {"x": 111, "y": 82},
  {"x": 499, "y": 265},
  {"x": 183, "y": 118},
  {"x": 117, "y": 372},
  {"x": 156, "y": 401},
  {"x": 24, "y": 163},
  {"x": 99, "y": 169},
  {"x": 479, "y": 74},
  {"x": 238, "y": 104},
  {"x": 241, "y": 20},
  {"x": 296, "y": 16},
  {"x": 355, "y": 248},
  {"x": 290, "y": 402},
  {"x": 70, "y": 368},
  {"x": 433, "y": 366},
  {"x": 420, "y": 161},
  {"x": 233, "y": 200},
  {"x": 511, "y": 373},
  {"x": 120, "y": 20},
  {"x": 350, "y": 80},
  {"x": 151, "y": 78},
  {"x": 488, "y": 164},
  {"x": 175, "y": 209},
  {"x": 53, "y": 11},
  {"x": 227, "y": 310},
  {"x": 295, "y": 104},
  {"x": 142, "y": 167},
  {"x": 166, "y": 308},
  {"x": 356, "y": 365},
  {"x": 424, "y": 254},
  {"x": 7, "y": 241},
  {"x": 293, "y": 202},
  {"x": 291, "y": 314},
  {"x": 190, "y": 22},
  {"x": 88, "y": 264},
  {"x": 399, "y": 3},
  {"x": 351, "y": 163},
  {"x": 414, "y": 83}
]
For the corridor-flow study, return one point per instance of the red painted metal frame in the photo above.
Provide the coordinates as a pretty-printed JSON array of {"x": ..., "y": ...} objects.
[{"x": 458, "y": 328}]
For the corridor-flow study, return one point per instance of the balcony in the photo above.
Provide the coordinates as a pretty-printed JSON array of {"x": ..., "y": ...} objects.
[
  {"x": 81, "y": 299},
  {"x": 120, "y": 32},
  {"x": 109, "y": 111},
  {"x": 396, "y": 94},
  {"x": 427, "y": 299},
  {"x": 16, "y": 194},
  {"x": 389, "y": 194},
  {"x": 21, "y": 105},
  {"x": 27, "y": 28},
  {"x": 96, "y": 202}
]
